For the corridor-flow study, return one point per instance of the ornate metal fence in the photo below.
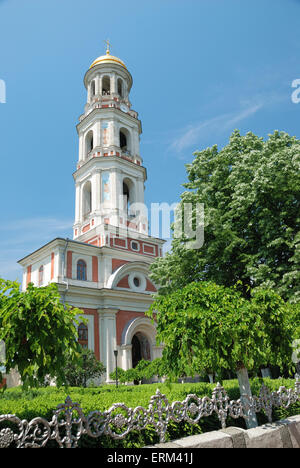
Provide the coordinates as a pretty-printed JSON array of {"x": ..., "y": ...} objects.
[{"x": 69, "y": 423}]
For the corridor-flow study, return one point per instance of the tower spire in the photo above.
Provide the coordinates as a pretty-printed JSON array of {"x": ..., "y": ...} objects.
[{"x": 108, "y": 45}]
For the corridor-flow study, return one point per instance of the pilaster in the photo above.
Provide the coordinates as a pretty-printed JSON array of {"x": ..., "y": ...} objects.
[
  {"x": 126, "y": 356},
  {"x": 108, "y": 339}
]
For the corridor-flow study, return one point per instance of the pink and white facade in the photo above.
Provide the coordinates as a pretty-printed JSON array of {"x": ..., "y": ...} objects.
[{"x": 103, "y": 270}]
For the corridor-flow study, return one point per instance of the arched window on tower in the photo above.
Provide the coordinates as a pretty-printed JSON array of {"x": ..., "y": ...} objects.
[
  {"x": 41, "y": 275},
  {"x": 105, "y": 86},
  {"x": 89, "y": 142},
  {"x": 129, "y": 197},
  {"x": 123, "y": 141},
  {"x": 120, "y": 87},
  {"x": 126, "y": 197},
  {"x": 93, "y": 88},
  {"x": 86, "y": 199},
  {"x": 124, "y": 136},
  {"x": 81, "y": 270},
  {"x": 83, "y": 335}
]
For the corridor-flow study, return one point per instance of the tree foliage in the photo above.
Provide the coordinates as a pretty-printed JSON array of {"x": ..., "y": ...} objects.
[
  {"x": 86, "y": 367},
  {"x": 38, "y": 330},
  {"x": 251, "y": 195},
  {"x": 205, "y": 326},
  {"x": 144, "y": 370}
]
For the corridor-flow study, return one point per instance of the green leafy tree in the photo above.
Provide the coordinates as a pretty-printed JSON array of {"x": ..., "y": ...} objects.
[
  {"x": 86, "y": 367},
  {"x": 129, "y": 375},
  {"x": 158, "y": 367},
  {"x": 251, "y": 195},
  {"x": 122, "y": 377},
  {"x": 39, "y": 332},
  {"x": 205, "y": 326}
]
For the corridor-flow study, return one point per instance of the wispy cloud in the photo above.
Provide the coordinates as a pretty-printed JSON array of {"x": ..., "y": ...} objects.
[
  {"x": 198, "y": 132},
  {"x": 193, "y": 133},
  {"x": 31, "y": 230}
]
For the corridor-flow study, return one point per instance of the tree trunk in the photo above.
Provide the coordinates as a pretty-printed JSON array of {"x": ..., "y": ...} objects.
[{"x": 246, "y": 393}]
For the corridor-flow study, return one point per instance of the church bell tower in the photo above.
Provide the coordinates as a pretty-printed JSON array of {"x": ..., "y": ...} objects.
[{"x": 110, "y": 176}]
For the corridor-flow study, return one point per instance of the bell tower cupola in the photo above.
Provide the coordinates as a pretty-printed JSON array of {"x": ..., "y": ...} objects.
[{"x": 110, "y": 177}]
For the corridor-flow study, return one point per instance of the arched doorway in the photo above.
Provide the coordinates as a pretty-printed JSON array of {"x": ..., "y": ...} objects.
[{"x": 140, "y": 348}]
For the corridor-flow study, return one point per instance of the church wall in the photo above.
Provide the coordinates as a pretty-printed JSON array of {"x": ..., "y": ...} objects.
[
  {"x": 31, "y": 273},
  {"x": 123, "y": 283},
  {"x": 26, "y": 276},
  {"x": 87, "y": 259},
  {"x": 92, "y": 266},
  {"x": 122, "y": 318},
  {"x": 116, "y": 263},
  {"x": 150, "y": 286},
  {"x": 134, "y": 245},
  {"x": 93, "y": 330}
]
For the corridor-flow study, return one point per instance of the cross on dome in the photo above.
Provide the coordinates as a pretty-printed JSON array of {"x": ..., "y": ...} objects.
[
  {"x": 108, "y": 45},
  {"x": 108, "y": 58}
]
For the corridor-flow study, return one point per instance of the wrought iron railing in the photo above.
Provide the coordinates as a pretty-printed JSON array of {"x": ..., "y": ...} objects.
[{"x": 69, "y": 423}]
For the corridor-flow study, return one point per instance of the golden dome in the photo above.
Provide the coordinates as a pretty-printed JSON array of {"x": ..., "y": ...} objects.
[{"x": 108, "y": 59}]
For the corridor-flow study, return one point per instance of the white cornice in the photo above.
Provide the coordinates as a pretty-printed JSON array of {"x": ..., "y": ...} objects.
[
  {"x": 83, "y": 297},
  {"x": 84, "y": 248},
  {"x": 58, "y": 242},
  {"x": 108, "y": 163},
  {"x": 105, "y": 113}
]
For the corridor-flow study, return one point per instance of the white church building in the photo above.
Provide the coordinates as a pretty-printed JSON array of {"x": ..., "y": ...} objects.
[{"x": 103, "y": 270}]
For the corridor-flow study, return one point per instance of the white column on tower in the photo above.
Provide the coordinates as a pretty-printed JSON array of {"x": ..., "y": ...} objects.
[
  {"x": 113, "y": 82},
  {"x": 136, "y": 143},
  {"x": 94, "y": 183},
  {"x": 77, "y": 204},
  {"x": 113, "y": 189},
  {"x": 80, "y": 147},
  {"x": 110, "y": 133},
  {"x": 97, "y": 85},
  {"x": 115, "y": 131},
  {"x": 119, "y": 189},
  {"x": 140, "y": 190},
  {"x": 97, "y": 133}
]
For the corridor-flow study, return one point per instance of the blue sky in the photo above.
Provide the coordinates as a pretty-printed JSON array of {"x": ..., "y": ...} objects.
[{"x": 200, "y": 69}]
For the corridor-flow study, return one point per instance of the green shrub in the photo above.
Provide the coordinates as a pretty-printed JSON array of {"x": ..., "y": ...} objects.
[
  {"x": 121, "y": 375},
  {"x": 43, "y": 401},
  {"x": 144, "y": 370},
  {"x": 86, "y": 367}
]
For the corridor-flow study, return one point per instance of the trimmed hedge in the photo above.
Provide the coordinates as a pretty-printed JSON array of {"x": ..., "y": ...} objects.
[{"x": 42, "y": 402}]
